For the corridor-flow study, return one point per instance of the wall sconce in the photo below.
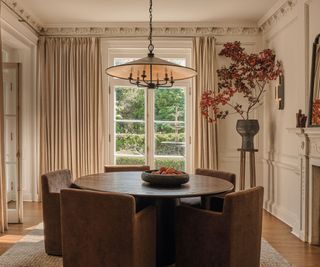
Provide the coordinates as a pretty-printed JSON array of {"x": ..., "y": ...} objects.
[{"x": 279, "y": 93}]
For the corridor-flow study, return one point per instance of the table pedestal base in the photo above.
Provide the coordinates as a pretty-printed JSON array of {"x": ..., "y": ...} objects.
[{"x": 165, "y": 231}]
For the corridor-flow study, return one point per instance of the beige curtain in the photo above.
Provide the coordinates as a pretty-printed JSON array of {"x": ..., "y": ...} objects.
[
  {"x": 205, "y": 134},
  {"x": 70, "y": 86},
  {"x": 3, "y": 195}
]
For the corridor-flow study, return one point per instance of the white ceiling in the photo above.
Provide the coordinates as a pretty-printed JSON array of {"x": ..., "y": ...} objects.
[{"x": 101, "y": 11}]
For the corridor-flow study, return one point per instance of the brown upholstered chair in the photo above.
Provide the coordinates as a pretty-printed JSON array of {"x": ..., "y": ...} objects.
[
  {"x": 141, "y": 202},
  {"x": 211, "y": 202},
  {"x": 126, "y": 168},
  {"x": 229, "y": 239},
  {"x": 52, "y": 183},
  {"x": 102, "y": 229}
]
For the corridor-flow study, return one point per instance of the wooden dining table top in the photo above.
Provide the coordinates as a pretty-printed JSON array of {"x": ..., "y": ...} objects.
[{"x": 131, "y": 183}]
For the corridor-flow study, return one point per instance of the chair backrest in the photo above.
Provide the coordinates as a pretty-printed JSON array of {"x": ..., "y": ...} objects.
[
  {"x": 97, "y": 228},
  {"x": 126, "y": 168},
  {"x": 53, "y": 182},
  {"x": 243, "y": 218},
  {"x": 230, "y": 177}
]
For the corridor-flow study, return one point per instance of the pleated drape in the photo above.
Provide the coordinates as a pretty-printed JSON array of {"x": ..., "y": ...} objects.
[
  {"x": 71, "y": 117},
  {"x": 3, "y": 191},
  {"x": 205, "y": 134}
]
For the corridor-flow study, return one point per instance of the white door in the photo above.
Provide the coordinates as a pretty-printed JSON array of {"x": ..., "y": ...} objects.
[{"x": 11, "y": 140}]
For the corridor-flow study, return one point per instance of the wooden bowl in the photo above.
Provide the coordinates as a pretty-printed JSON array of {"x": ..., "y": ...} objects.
[{"x": 164, "y": 179}]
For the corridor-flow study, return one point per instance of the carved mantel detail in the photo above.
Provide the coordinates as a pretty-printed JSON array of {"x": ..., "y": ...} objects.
[{"x": 310, "y": 180}]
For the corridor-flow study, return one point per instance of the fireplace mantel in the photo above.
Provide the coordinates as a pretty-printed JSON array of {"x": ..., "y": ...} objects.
[{"x": 309, "y": 155}]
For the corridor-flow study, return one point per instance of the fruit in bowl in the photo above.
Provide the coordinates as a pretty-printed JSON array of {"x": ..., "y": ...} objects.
[
  {"x": 165, "y": 177},
  {"x": 167, "y": 171}
]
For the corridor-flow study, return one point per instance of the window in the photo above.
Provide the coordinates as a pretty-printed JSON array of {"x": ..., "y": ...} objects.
[
  {"x": 129, "y": 126},
  {"x": 151, "y": 127}
]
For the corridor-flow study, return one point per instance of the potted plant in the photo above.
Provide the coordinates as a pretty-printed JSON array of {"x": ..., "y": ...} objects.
[{"x": 247, "y": 76}]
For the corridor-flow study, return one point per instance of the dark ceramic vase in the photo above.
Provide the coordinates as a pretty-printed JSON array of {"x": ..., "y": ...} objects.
[{"x": 247, "y": 129}]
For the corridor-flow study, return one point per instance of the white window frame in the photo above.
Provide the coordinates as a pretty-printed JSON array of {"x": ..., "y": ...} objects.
[{"x": 178, "y": 48}]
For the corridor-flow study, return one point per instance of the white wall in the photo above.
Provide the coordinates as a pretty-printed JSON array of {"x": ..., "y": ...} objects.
[{"x": 290, "y": 37}]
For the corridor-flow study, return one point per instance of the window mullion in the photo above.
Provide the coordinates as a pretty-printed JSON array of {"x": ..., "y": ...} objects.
[{"x": 150, "y": 128}]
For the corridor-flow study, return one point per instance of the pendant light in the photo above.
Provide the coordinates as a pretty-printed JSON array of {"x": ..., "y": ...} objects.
[{"x": 151, "y": 72}]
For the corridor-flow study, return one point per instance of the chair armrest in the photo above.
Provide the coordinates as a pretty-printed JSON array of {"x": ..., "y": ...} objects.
[
  {"x": 52, "y": 200},
  {"x": 145, "y": 237},
  {"x": 199, "y": 222},
  {"x": 54, "y": 195},
  {"x": 198, "y": 216},
  {"x": 200, "y": 234}
]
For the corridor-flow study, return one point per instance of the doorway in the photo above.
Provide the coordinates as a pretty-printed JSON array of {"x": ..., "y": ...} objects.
[{"x": 11, "y": 87}]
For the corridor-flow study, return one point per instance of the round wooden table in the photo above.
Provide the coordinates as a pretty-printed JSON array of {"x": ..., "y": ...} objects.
[{"x": 164, "y": 198}]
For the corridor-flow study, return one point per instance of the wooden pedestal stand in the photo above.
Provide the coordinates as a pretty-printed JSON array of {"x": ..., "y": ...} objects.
[{"x": 243, "y": 168}]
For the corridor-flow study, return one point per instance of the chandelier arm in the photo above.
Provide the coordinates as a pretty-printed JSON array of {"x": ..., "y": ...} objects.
[
  {"x": 135, "y": 82},
  {"x": 144, "y": 80},
  {"x": 142, "y": 85},
  {"x": 165, "y": 83},
  {"x": 162, "y": 84}
]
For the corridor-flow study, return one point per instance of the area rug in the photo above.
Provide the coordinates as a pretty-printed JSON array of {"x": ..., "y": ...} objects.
[{"x": 29, "y": 252}]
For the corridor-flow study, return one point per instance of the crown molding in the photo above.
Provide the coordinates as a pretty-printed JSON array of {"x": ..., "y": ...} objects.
[
  {"x": 23, "y": 15},
  {"x": 159, "y": 29},
  {"x": 280, "y": 10}
]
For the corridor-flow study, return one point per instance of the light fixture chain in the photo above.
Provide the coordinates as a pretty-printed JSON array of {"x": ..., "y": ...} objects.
[{"x": 151, "y": 47}]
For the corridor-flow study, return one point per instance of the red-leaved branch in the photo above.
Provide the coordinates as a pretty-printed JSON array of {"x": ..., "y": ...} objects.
[{"x": 247, "y": 75}]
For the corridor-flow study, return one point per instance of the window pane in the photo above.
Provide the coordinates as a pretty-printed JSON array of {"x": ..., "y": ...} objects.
[
  {"x": 130, "y": 127},
  {"x": 130, "y": 103},
  {"x": 130, "y": 142},
  {"x": 169, "y": 128},
  {"x": 170, "y": 104},
  {"x": 122, "y": 160},
  {"x": 174, "y": 162},
  {"x": 170, "y": 138},
  {"x": 122, "y": 60},
  {"x": 179, "y": 61},
  {"x": 129, "y": 122}
]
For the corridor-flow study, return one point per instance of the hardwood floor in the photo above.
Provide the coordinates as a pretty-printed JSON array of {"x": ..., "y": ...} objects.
[
  {"x": 278, "y": 234},
  {"x": 298, "y": 253}
]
